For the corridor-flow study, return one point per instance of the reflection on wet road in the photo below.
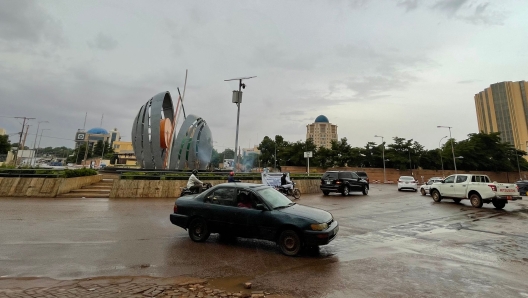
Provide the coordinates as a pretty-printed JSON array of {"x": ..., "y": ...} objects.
[{"x": 390, "y": 244}]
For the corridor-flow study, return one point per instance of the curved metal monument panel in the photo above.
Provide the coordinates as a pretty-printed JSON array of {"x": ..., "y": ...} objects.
[
  {"x": 146, "y": 130},
  {"x": 193, "y": 146}
]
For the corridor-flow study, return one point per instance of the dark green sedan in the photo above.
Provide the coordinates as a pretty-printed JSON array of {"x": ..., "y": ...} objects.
[{"x": 254, "y": 211}]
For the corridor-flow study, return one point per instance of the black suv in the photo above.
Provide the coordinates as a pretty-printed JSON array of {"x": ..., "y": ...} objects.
[
  {"x": 343, "y": 182},
  {"x": 363, "y": 175}
]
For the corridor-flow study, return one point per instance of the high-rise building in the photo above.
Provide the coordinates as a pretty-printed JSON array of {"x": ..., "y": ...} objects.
[
  {"x": 503, "y": 107},
  {"x": 2, "y": 132},
  {"x": 322, "y": 132}
]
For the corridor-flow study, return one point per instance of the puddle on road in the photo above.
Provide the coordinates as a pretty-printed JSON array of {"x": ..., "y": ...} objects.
[{"x": 231, "y": 283}]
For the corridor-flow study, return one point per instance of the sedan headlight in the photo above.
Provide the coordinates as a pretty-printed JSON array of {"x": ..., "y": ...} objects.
[{"x": 319, "y": 227}]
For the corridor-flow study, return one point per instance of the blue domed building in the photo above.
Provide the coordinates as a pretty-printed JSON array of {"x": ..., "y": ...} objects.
[
  {"x": 322, "y": 132},
  {"x": 95, "y": 134}
]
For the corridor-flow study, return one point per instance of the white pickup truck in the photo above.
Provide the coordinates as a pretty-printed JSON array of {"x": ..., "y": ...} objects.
[{"x": 477, "y": 188}]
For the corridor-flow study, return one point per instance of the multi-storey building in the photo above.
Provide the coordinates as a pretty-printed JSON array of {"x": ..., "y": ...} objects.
[
  {"x": 503, "y": 107},
  {"x": 322, "y": 132}
]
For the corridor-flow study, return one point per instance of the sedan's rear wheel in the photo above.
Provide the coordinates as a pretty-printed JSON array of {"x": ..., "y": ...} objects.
[
  {"x": 346, "y": 191},
  {"x": 436, "y": 196},
  {"x": 198, "y": 230},
  {"x": 422, "y": 191},
  {"x": 290, "y": 243},
  {"x": 325, "y": 192}
]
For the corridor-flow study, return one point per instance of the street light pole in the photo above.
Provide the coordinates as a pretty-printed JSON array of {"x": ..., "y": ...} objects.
[
  {"x": 382, "y": 156},
  {"x": 35, "y": 142},
  {"x": 441, "y": 161},
  {"x": 237, "y": 98},
  {"x": 452, "y": 147},
  {"x": 40, "y": 139}
]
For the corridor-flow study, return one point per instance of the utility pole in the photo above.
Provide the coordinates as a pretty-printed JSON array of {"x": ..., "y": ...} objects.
[
  {"x": 21, "y": 133},
  {"x": 25, "y": 136}
]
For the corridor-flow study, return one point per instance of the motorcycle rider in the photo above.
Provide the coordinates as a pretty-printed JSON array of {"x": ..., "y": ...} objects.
[
  {"x": 231, "y": 177},
  {"x": 285, "y": 182},
  {"x": 194, "y": 184}
]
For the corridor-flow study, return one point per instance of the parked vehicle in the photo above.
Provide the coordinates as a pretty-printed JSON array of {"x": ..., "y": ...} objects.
[
  {"x": 185, "y": 191},
  {"x": 364, "y": 176},
  {"x": 425, "y": 188},
  {"x": 294, "y": 192},
  {"x": 523, "y": 187},
  {"x": 343, "y": 182},
  {"x": 407, "y": 182},
  {"x": 477, "y": 188},
  {"x": 271, "y": 216}
]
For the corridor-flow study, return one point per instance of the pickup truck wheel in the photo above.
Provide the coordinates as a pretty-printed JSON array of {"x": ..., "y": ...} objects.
[
  {"x": 499, "y": 204},
  {"x": 476, "y": 200},
  {"x": 422, "y": 191},
  {"x": 346, "y": 191},
  {"x": 457, "y": 200},
  {"x": 325, "y": 192},
  {"x": 436, "y": 196},
  {"x": 365, "y": 190}
]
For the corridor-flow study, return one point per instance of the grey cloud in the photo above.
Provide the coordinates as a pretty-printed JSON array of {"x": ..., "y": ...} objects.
[
  {"x": 449, "y": 6},
  {"x": 103, "y": 42},
  {"x": 408, "y": 4},
  {"x": 274, "y": 56},
  {"x": 25, "y": 21}
]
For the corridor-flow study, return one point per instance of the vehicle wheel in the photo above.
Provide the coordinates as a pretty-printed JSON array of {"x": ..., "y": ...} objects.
[
  {"x": 415, "y": 190},
  {"x": 290, "y": 243},
  {"x": 365, "y": 190},
  {"x": 436, "y": 196},
  {"x": 325, "y": 192},
  {"x": 422, "y": 191},
  {"x": 399, "y": 189},
  {"x": 198, "y": 230},
  {"x": 346, "y": 191},
  {"x": 499, "y": 204},
  {"x": 296, "y": 193},
  {"x": 457, "y": 200},
  {"x": 476, "y": 200}
]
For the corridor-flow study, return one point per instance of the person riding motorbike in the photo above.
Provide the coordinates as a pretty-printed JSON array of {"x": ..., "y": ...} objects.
[
  {"x": 285, "y": 182},
  {"x": 194, "y": 184},
  {"x": 231, "y": 177}
]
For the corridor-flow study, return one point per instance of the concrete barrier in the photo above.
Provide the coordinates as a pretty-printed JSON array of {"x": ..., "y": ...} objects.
[
  {"x": 123, "y": 188},
  {"x": 42, "y": 187}
]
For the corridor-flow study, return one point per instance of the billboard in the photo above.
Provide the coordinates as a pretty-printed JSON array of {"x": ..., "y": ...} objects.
[
  {"x": 273, "y": 179},
  {"x": 229, "y": 164}
]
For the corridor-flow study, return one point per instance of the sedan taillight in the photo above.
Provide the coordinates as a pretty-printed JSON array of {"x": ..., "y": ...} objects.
[
  {"x": 175, "y": 208},
  {"x": 399, "y": 181},
  {"x": 338, "y": 181}
]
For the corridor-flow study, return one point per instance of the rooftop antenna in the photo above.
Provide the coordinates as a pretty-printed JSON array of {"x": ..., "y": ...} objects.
[
  {"x": 85, "y": 115},
  {"x": 101, "y": 120},
  {"x": 237, "y": 98}
]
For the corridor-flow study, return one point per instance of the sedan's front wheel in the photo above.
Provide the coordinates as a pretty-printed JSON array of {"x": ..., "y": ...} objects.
[
  {"x": 422, "y": 191},
  {"x": 290, "y": 243},
  {"x": 436, "y": 196},
  {"x": 198, "y": 230},
  {"x": 365, "y": 190}
]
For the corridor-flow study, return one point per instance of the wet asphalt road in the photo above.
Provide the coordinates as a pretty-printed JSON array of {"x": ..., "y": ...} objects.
[{"x": 390, "y": 244}]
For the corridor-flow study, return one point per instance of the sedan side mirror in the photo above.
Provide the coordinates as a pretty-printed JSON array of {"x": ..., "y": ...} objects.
[{"x": 261, "y": 207}]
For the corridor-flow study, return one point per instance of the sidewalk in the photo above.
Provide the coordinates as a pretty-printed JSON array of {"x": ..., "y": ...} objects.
[{"x": 118, "y": 287}]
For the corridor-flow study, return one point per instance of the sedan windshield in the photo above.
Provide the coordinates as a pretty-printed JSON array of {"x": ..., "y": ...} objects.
[
  {"x": 407, "y": 178},
  {"x": 274, "y": 198}
]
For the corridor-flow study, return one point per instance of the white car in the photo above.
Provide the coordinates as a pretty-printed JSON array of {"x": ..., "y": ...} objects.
[
  {"x": 407, "y": 182},
  {"x": 425, "y": 189}
]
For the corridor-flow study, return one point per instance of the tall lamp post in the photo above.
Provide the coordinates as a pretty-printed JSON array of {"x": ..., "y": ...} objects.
[
  {"x": 441, "y": 161},
  {"x": 237, "y": 98},
  {"x": 382, "y": 156},
  {"x": 40, "y": 139},
  {"x": 452, "y": 147},
  {"x": 35, "y": 143}
]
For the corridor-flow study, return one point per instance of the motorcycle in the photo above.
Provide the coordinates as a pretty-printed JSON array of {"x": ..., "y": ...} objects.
[
  {"x": 294, "y": 192},
  {"x": 186, "y": 191}
]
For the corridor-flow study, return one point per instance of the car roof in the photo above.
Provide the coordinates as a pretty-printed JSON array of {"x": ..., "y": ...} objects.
[{"x": 241, "y": 184}]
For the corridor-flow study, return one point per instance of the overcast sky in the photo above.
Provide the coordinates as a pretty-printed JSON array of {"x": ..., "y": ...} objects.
[{"x": 386, "y": 67}]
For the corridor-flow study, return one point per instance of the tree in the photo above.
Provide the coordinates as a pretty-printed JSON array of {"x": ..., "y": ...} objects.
[
  {"x": 98, "y": 148},
  {"x": 78, "y": 155},
  {"x": 5, "y": 145},
  {"x": 267, "y": 152}
]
